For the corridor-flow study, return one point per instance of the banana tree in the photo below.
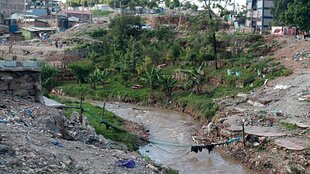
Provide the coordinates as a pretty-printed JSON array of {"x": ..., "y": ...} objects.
[
  {"x": 167, "y": 84},
  {"x": 152, "y": 78},
  {"x": 196, "y": 78}
]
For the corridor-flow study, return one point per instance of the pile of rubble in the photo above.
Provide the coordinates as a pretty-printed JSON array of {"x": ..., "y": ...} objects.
[
  {"x": 276, "y": 118},
  {"x": 39, "y": 139},
  {"x": 301, "y": 55}
]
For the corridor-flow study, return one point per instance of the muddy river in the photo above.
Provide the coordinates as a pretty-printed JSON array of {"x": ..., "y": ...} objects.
[{"x": 172, "y": 133}]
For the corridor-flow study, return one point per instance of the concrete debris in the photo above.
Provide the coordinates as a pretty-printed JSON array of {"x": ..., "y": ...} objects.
[
  {"x": 255, "y": 103},
  {"x": 40, "y": 139},
  {"x": 242, "y": 95},
  {"x": 293, "y": 143},
  {"x": 301, "y": 55},
  {"x": 304, "y": 98},
  {"x": 51, "y": 103},
  {"x": 280, "y": 87}
]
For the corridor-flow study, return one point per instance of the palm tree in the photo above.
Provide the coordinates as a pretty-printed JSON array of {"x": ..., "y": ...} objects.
[{"x": 196, "y": 78}]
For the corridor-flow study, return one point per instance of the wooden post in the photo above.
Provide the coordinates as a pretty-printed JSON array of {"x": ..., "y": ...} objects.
[
  {"x": 81, "y": 107},
  {"x": 103, "y": 109},
  {"x": 81, "y": 103},
  {"x": 243, "y": 135}
]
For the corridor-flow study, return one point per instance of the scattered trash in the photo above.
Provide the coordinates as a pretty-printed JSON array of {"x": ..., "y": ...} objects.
[
  {"x": 126, "y": 163},
  {"x": 302, "y": 55},
  {"x": 265, "y": 82},
  {"x": 238, "y": 73},
  {"x": 152, "y": 167},
  {"x": 2, "y": 162},
  {"x": 255, "y": 144},
  {"x": 277, "y": 113},
  {"x": 3, "y": 121},
  {"x": 242, "y": 95},
  {"x": 57, "y": 143},
  {"x": 137, "y": 86},
  {"x": 282, "y": 87},
  {"x": 229, "y": 72},
  {"x": 28, "y": 112},
  {"x": 304, "y": 98}
]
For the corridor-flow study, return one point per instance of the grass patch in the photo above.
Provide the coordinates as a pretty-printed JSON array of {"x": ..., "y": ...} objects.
[
  {"x": 101, "y": 12},
  {"x": 170, "y": 171},
  {"x": 132, "y": 141},
  {"x": 289, "y": 126}
]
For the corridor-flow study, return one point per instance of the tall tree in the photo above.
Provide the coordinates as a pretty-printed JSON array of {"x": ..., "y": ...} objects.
[
  {"x": 298, "y": 14},
  {"x": 213, "y": 22},
  {"x": 278, "y": 10}
]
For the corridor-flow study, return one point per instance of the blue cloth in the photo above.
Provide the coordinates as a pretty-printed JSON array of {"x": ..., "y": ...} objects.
[
  {"x": 28, "y": 112},
  {"x": 232, "y": 140},
  {"x": 127, "y": 163},
  {"x": 3, "y": 121},
  {"x": 57, "y": 143}
]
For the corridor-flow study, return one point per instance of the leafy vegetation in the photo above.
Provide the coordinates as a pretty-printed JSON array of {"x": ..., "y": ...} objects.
[
  {"x": 289, "y": 126},
  {"x": 131, "y": 140},
  {"x": 292, "y": 12},
  {"x": 48, "y": 76},
  {"x": 132, "y": 64}
]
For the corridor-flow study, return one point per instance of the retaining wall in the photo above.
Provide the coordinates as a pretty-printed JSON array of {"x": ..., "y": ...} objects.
[{"x": 21, "y": 79}]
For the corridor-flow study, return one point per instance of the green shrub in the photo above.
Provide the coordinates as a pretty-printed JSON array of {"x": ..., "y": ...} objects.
[
  {"x": 48, "y": 76},
  {"x": 82, "y": 69}
]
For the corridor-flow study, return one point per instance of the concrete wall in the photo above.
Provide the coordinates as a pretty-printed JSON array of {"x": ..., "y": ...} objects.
[{"x": 21, "y": 79}]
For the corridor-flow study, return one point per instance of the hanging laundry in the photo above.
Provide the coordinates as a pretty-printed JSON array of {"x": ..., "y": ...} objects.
[{"x": 210, "y": 147}]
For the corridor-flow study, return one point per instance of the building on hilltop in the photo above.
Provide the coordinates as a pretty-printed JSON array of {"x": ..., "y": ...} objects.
[
  {"x": 259, "y": 16},
  {"x": 83, "y": 16}
]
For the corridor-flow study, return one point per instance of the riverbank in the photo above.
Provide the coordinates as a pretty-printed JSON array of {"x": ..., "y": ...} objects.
[
  {"x": 266, "y": 110},
  {"x": 276, "y": 119},
  {"x": 39, "y": 139}
]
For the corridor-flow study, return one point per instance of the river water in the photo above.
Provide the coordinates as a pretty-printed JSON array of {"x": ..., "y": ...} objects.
[{"x": 167, "y": 126}]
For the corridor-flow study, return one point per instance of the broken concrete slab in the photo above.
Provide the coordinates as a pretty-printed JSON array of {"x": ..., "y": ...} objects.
[
  {"x": 239, "y": 109},
  {"x": 51, "y": 103},
  {"x": 234, "y": 128},
  {"x": 280, "y": 87},
  {"x": 255, "y": 103},
  {"x": 304, "y": 98},
  {"x": 298, "y": 124},
  {"x": 263, "y": 131},
  {"x": 293, "y": 143},
  {"x": 242, "y": 95}
]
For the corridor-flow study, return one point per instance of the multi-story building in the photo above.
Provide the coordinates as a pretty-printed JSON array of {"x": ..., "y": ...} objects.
[
  {"x": 8, "y": 7},
  {"x": 259, "y": 15}
]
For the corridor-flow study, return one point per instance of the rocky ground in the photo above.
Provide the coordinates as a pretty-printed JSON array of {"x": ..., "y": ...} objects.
[
  {"x": 276, "y": 117},
  {"x": 39, "y": 139}
]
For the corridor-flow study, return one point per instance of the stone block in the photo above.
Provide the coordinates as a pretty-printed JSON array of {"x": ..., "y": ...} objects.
[
  {"x": 30, "y": 64},
  {"x": 26, "y": 86},
  {"x": 6, "y": 77},
  {"x": 21, "y": 93},
  {"x": 2, "y": 64},
  {"x": 14, "y": 85},
  {"x": 32, "y": 92},
  {"x": 8, "y": 64},
  {"x": 3, "y": 86}
]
